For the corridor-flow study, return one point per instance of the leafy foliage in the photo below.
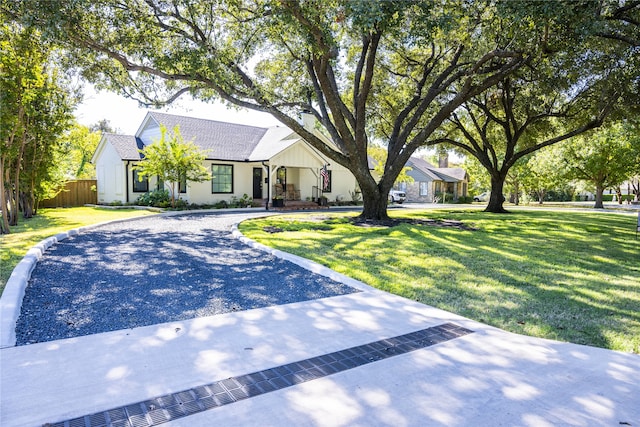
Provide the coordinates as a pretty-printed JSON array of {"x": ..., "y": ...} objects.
[
  {"x": 157, "y": 198},
  {"x": 605, "y": 158},
  {"x": 79, "y": 144},
  {"x": 365, "y": 70},
  {"x": 390, "y": 71},
  {"x": 36, "y": 111},
  {"x": 172, "y": 160}
]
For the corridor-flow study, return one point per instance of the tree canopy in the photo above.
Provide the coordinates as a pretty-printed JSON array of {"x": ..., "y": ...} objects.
[
  {"x": 172, "y": 161},
  {"x": 391, "y": 71},
  {"x": 36, "y": 111},
  {"x": 605, "y": 158}
]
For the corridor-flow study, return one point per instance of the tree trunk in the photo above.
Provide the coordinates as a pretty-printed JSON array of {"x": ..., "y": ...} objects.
[
  {"x": 172, "y": 189},
  {"x": 12, "y": 200},
  {"x": 374, "y": 198},
  {"x": 619, "y": 195},
  {"x": 4, "y": 211},
  {"x": 375, "y": 208},
  {"x": 541, "y": 194},
  {"x": 496, "y": 199},
  {"x": 599, "y": 192},
  {"x": 15, "y": 187},
  {"x": 26, "y": 200}
]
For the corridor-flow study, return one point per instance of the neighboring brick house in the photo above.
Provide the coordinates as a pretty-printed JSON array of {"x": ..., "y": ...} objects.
[{"x": 431, "y": 181}]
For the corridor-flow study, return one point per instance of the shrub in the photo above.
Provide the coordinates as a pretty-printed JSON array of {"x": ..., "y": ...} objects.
[
  {"x": 222, "y": 204},
  {"x": 448, "y": 197},
  {"x": 180, "y": 205},
  {"x": 242, "y": 202},
  {"x": 465, "y": 199},
  {"x": 356, "y": 196},
  {"x": 157, "y": 198}
]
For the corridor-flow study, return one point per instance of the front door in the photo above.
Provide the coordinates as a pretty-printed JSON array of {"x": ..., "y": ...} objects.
[{"x": 257, "y": 183}]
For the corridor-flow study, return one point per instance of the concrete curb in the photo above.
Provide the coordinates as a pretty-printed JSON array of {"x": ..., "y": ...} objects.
[
  {"x": 302, "y": 262},
  {"x": 14, "y": 290}
]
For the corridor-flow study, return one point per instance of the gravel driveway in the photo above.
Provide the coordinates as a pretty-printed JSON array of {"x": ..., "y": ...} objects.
[{"x": 155, "y": 270}]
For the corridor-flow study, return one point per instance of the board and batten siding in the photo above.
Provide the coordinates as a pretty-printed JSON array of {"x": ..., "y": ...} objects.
[
  {"x": 110, "y": 173},
  {"x": 150, "y": 133}
]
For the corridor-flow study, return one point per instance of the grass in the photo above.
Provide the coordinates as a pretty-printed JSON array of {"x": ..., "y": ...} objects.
[
  {"x": 561, "y": 275},
  {"x": 50, "y": 222}
]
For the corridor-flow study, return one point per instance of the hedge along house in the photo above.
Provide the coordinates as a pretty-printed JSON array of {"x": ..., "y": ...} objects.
[
  {"x": 260, "y": 162},
  {"x": 432, "y": 183}
]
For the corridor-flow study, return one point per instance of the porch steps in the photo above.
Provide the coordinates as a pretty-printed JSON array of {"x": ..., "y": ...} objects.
[{"x": 296, "y": 205}]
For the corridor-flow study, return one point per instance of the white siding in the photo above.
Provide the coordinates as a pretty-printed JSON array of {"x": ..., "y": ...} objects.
[
  {"x": 110, "y": 172},
  {"x": 298, "y": 156},
  {"x": 150, "y": 133},
  {"x": 200, "y": 192}
]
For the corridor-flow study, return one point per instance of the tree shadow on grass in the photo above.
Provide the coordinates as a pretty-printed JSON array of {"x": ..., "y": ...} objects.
[{"x": 564, "y": 276}]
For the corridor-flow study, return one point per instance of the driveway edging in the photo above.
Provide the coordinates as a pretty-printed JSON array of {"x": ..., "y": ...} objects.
[
  {"x": 312, "y": 266},
  {"x": 14, "y": 290}
]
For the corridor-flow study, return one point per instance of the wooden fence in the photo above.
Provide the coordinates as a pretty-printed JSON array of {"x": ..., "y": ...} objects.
[{"x": 75, "y": 193}]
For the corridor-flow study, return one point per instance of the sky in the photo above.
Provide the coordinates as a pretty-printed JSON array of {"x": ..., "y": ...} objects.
[{"x": 125, "y": 115}]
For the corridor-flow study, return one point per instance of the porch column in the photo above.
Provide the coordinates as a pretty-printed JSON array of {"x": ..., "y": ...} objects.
[{"x": 270, "y": 178}]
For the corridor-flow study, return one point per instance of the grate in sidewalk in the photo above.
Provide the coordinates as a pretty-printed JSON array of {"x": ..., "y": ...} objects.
[{"x": 181, "y": 404}]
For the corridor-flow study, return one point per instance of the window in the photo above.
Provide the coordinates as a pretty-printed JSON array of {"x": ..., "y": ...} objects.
[
  {"x": 222, "y": 178},
  {"x": 159, "y": 183},
  {"x": 140, "y": 186},
  {"x": 424, "y": 188},
  {"x": 182, "y": 185}
]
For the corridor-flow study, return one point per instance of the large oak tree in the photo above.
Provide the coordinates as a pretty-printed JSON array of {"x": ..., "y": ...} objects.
[
  {"x": 582, "y": 75},
  {"x": 390, "y": 70},
  {"x": 605, "y": 158},
  {"x": 393, "y": 70}
]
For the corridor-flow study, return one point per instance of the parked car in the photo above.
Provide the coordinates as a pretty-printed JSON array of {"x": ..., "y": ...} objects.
[
  {"x": 482, "y": 197},
  {"x": 397, "y": 196}
]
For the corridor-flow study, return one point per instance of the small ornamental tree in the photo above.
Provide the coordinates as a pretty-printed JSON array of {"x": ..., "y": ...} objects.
[{"x": 173, "y": 161}]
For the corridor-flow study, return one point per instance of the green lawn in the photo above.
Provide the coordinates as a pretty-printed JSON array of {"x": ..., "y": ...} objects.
[
  {"x": 50, "y": 222},
  {"x": 562, "y": 275}
]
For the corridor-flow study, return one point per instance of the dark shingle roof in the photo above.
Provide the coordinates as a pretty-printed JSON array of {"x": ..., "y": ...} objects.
[
  {"x": 221, "y": 141},
  {"x": 421, "y": 166},
  {"x": 454, "y": 174},
  {"x": 126, "y": 146}
]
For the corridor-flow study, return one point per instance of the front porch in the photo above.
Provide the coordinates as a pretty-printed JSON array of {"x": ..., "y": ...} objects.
[
  {"x": 299, "y": 205},
  {"x": 290, "y": 205}
]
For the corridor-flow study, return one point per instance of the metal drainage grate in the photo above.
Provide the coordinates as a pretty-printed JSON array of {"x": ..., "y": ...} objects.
[{"x": 177, "y": 405}]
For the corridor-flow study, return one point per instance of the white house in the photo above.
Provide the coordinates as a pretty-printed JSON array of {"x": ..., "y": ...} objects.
[{"x": 243, "y": 160}]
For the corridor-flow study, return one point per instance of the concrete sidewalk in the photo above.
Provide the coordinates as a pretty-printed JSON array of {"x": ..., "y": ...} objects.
[{"x": 486, "y": 378}]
